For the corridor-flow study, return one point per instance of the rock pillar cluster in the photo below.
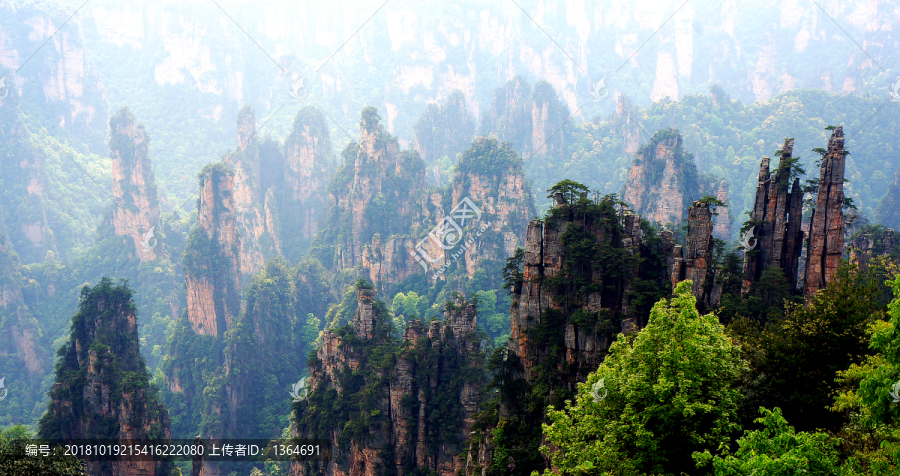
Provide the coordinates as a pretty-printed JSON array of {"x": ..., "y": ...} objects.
[{"x": 776, "y": 220}]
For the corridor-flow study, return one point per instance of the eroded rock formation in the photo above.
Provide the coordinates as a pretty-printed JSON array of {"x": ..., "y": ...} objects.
[
  {"x": 411, "y": 412},
  {"x": 695, "y": 261},
  {"x": 722, "y": 227},
  {"x": 443, "y": 131},
  {"x": 102, "y": 388},
  {"x": 877, "y": 241},
  {"x": 135, "y": 203},
  {"x": 212, "y": 258},
  {"x": 255, "y": 217},
  {"x": 776, "y": 220},
  {"x": 662, "y": 180},
  {"x": 825, "y": 247}
]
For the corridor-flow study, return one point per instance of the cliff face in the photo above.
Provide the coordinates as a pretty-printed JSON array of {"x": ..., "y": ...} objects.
[
  {"x": 61, "y": 81},
  {"x": 376, "y": 191},
  {"x": 21, "y": 330},
  {"x": 254, "y": 214},
  {"x": 825, "y": 247},
  {"x": 662, "y": 179},
  {"x": 410, "y": 410},
  {"x": 443, "y": 131},
  {"x": 548, "y": 116},
  {"x": 630, "y": 129},
  {"x": 776, "y": 218},
  {"x": 567, "y": 307},
  {"x": 136, "y": 206},
  {"x": 212, "y": 258},
  {"x": 113, "y": 399},
  {"x": 722, "y": 228},
  {"x": 510, "y": 119},
  {"x": 695, "y": 261},
  {"x": 886, "y": 213},
  {"x": 307, "y": 166},
  {"x": 868, "y": 244}
]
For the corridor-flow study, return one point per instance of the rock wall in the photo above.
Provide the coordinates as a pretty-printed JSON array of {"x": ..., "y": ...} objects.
[
  {"x": 307, "y": 168},
  {"x": 432, "y": 362},
  {"x": 777, "y": 218},
  {"x": 886, "y": 213},
  {"x": 253, "y": 208},
  {"x": 135, "y": 202},
  {"x": 722, "y": 227},
  {"x": 662, "y": 180},
  {"x": 867, "y": 245},
  {"x": 510, "y": 119},
  {"x": 695, "y": 261},
  {"x": 825, "y": 247},
  {"x": 113, "y": 399},
  {"x": 443, "y": 131},
  {"x": 212, "y": 259}
]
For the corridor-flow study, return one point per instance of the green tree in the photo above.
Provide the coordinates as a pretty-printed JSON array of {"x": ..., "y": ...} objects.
[
  {"x": 14, "y": 461},
  {"x": 570, "y": 189},
  {"x": 658, "y": 397},
  {"x": 777, "y": 449},
  {"x": 873, "y": 433}
]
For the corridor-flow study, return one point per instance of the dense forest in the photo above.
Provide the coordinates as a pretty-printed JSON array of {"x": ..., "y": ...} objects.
[{"x": 452, "y": 239}]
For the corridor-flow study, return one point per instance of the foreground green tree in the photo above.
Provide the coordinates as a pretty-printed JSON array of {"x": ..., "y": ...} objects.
[
  {"x": 777, "y": 449},
  {"x": 873, "y": 434},
  {"x": 659, "y": 396},
  {"x": 13, "y": 459}
]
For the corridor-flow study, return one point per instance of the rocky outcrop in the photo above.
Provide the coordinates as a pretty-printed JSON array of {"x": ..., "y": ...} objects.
[
  {"x": 376, "y": 191},
  {"x": 722, "y": 228},
  {"x": 20, "y": 330},
  {"x": 102, "y": 388},
  {"x": 662, "y": 180},
  {"x": 776, "y": 221},
  {"x": 825, "y": 247},
  {"x": 629, "y": 127},
  {"x": 443, "y": 131},
  {"x": 886, "y": 213},
  {"x": 256, "y": 219},
  {"x": 695, "y": 261},
  {"x": 307, "y": 167},
  {"x": 567, "y": 306},
  {"x": 548, "y": 116},
  {"x": 135, "y": 204},
  {"x": 417, "y": 412},
  {"x": 868, "y": 244},
  {"x": 212, "y": 258},
  {"x": 510, "y": 118}
]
